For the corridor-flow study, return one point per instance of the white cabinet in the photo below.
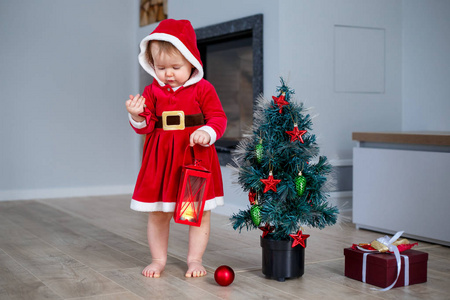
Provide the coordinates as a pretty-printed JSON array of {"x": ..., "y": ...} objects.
[{"x": 400, "y": 185}]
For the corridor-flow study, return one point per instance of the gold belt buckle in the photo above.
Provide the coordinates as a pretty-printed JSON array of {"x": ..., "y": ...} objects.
[{"x": 174, "y": 113}]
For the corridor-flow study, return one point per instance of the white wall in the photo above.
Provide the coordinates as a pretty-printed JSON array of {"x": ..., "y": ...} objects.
[
  {"x": 307, "y": 54},
  {"x": 426, "y": 65},
  {"x": 203, "y": 13},
  {"x": 66, "y": 69}
]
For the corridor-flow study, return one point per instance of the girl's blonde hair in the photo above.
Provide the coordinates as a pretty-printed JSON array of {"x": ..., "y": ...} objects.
[{"x": 164, "y": 47}]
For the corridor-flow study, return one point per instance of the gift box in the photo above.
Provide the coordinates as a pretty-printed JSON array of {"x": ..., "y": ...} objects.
[{"x": 380, "y": 269}]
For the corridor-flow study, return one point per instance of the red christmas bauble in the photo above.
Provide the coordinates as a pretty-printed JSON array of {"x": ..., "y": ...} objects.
[{"x": 224, "y": 275}]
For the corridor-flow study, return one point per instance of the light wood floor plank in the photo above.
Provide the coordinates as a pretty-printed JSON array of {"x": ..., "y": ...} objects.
[
  {"x": 112, "y": 213},
  {"x": 167, "y": 287},
  {"x": 95, "y": 248},
  {"x": 17, "y": 283},
  {"x": 41, "y": 220},
  {"x": 117, "y": 296},
  {"x": 61, "y": 273}
]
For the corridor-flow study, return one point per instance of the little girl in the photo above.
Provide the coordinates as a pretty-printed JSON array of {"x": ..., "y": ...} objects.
[{"x": 171, "y": 56}]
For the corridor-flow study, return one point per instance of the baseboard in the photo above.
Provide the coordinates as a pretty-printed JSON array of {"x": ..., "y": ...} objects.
[
  {"x": 343, "y": 200},
  {"x": 65, "y": 192},
  {"x": 341, "y": 194},
  {"x": 228, "y": 209},
  {"x": 341, "y": 162}
]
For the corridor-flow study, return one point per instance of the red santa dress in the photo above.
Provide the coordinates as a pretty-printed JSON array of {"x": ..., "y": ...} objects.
[{"x": 163, "y": 154}]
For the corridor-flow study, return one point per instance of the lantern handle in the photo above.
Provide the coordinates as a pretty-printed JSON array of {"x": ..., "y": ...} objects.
[
  {"x": 192, "y": 153},
  {"x": 189, "y": 150},
  {"x": 194, "y": 161},
  {"x": 199, "y": 157}
]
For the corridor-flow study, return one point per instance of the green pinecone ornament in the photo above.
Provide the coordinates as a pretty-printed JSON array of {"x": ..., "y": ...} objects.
[
  {"x": 300, "y": 184},
  {"x": 255, "y": 213},
  {"x": 259, "y": 152}
]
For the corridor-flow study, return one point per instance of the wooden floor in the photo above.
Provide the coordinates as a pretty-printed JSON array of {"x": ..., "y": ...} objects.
[{"x": 96, "y": 247}]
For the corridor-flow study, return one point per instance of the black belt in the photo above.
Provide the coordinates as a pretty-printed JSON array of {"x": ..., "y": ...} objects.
[{"x": 177, "y": 120}]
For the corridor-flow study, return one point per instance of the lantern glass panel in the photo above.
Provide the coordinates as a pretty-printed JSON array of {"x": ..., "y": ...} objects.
[{"x": 192, "y": 198}]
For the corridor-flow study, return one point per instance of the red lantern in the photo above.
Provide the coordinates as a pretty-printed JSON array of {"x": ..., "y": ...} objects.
[{"x": 192, "y": 192}]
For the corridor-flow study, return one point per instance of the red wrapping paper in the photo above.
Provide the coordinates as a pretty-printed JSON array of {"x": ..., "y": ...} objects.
[{"x": 381, "y": 269}]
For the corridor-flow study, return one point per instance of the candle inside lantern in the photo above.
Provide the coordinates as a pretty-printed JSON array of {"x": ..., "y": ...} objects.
[{"x": 188, "y": 211}]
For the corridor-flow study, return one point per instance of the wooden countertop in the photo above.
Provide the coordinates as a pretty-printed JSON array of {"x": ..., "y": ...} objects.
[{"x": 441, "y": 138}]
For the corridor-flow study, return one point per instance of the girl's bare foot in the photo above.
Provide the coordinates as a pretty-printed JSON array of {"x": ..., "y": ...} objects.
[
  {"x": 153, "y": 270},
  {"x": 195, "y": 269}
]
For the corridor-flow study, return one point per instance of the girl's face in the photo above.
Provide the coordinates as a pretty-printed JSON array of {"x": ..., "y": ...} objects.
[{"x": 171, "y": 68}]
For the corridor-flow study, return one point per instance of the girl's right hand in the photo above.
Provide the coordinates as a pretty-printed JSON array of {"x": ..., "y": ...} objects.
[{"x": 135, "y": 106}]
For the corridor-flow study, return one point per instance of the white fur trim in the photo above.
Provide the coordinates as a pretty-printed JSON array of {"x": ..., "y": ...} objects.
[
  {"x": 157, "y": 206},
  {"x": 213, "y": 203},
  {"x": 137, "y": 125},
  {"x": 198, "y": 74},
  {"x": 170, "y": 207},
  {"x": 212, "y": 133}
]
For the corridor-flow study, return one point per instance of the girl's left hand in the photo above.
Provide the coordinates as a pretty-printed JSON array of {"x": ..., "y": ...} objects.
[{"x": 200, "y": 137}]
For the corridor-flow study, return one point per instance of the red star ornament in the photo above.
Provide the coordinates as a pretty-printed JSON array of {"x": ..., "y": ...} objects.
[
  {"x": 296, "y": 134},
  {"x": 280, "y": 101},
  {"x": 299, "y": 239},
  {"x": 266, "y": 230},
  {"x": 271, "y": 183}
]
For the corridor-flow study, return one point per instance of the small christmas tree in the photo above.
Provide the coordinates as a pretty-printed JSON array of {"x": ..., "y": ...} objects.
[{"x": 277, "y": 165}]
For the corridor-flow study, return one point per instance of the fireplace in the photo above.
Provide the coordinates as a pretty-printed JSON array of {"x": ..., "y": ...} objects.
[{"x": 232, "y": 56}]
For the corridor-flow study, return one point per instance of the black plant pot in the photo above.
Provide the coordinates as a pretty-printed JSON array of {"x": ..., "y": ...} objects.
[{"x": 280, "y": 261}]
